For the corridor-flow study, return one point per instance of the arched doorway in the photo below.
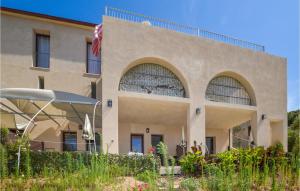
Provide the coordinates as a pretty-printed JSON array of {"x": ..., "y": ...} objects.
[
  {"x": 151, "y": 106},
  {"x": 230, "y": 101}
]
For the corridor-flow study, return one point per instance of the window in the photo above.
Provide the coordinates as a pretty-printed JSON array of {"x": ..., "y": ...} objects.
[
  {"x": 229, "y": 90},
  {"x": 93, "y": 90},
  {"x": 137, "y": 143},
  {"x": 152, "y": 78},
  {"x": 210, "y": 144},
  {"x": 41, "y": 82},
  {"x": 90, "y": 144},
  {"x": 42, "y": 51},
  {"x": 92, "y": 62},
  {"x": 69, "y": 141}
]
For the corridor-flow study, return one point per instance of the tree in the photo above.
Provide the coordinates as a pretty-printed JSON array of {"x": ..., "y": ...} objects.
[{"x": 294, "y": 132}]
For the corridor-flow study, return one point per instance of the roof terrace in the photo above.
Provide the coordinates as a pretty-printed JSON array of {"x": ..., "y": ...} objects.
[{"x": 194, "y": 31}]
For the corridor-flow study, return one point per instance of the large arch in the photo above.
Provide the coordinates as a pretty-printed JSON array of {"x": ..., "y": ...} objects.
[
  {"x": 230, "y": 87},
  {"x": 153, "y": 76}
]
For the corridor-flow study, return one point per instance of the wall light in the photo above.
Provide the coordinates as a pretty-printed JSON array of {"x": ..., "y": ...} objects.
[
  {"x": 109, "y": 103},
  {"x": 147, "y": 130},
  {"x": 198, "y": 110},
  {"x": 263, "y": 116}
]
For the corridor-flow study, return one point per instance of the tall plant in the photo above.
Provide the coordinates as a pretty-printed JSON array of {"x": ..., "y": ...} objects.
[{"x": 162, "y": 149}]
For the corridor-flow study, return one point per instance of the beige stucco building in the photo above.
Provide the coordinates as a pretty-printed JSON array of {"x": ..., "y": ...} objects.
[{"x": 154, "y": 83}]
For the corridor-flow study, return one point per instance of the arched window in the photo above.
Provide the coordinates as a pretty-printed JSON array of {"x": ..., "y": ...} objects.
[
  {"x": 152, "y": 79},
  {"x": 227, "y": 89}
]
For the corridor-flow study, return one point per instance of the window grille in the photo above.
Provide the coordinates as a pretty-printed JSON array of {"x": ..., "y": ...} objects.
[
  {"x": 228, "y": 90},
  {"x": 152, "y": 79}
]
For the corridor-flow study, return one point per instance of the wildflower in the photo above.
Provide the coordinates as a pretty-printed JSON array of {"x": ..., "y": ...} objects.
[{"x": 151, "y": 150}]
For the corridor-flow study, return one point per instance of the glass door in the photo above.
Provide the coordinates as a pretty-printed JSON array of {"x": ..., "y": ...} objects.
[{"x": 137, "y": 143}]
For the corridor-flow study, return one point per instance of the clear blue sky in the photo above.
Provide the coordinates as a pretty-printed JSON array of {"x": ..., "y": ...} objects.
[{"x": 273, "y": 23}]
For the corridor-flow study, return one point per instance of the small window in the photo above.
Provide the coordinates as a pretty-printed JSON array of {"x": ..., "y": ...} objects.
[
  {"x": 69, "y": 141},
  {"x": 41, "y": 82},
  {"x": 92, "y": 61},
  {"x": 137, "y": 143},
  {"x": 42, "y": 51},
  {"x": 93, "y": 90}
]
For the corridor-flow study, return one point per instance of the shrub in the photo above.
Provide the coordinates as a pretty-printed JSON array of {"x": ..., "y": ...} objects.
[
  {"x": 147, "y": 176},
  {"x": 190, "y": 184},
  {"x": 3, "y": 162},
  {"x": 3, "y": 135},
  {"x": 192, "y": 163},
  {"x": 37, "y": 163}
]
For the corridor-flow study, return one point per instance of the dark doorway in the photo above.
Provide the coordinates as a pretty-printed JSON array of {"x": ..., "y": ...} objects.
[
  {"x": 155, "y": 140},
  {"x": 210, "y": 144}
]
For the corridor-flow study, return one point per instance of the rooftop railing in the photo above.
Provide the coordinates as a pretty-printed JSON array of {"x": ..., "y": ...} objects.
[{"x": 194, "y": 31}]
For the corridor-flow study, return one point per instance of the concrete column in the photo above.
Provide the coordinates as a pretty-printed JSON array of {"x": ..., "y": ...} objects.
[
  {"x": 262, "y": 130},
  {"x": 196, "y": 127},
  {"x": 278, "y": 132},
  {"x": 110, "y": 125}
]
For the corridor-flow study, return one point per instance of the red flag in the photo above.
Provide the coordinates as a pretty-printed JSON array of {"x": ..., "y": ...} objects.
[{"x": 96, "y": 44}]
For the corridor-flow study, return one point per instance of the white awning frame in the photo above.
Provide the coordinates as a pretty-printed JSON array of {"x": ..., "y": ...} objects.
[{"x": 49, "y": 96}]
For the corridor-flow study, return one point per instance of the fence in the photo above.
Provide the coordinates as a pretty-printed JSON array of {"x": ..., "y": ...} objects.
[{"x": 194, "y": 31}]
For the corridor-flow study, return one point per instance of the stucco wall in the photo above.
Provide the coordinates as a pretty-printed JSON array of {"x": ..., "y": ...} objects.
[
  {"x": 52, "y": 135},
  {"x": 67, "y": 56},
  {"x": 195, "y": 61},
  {"x": 171, "y": 135},
  {"x": 221, "y": 138},
  {"x": 66, "y": 72}
]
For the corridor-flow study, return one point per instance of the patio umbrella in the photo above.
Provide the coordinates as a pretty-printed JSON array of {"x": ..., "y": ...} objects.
[{"x": 87, "y": 130}]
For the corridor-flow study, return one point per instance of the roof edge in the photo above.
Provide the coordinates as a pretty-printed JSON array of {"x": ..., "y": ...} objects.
[{"x": 44, "y": 16}]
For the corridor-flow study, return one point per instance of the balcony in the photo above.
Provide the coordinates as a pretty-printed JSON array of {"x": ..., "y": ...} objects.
[{"x": 193, "y": 31}]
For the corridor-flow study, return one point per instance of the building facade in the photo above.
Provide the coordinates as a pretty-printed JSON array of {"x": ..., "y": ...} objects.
[{"x": 155, "y": 84}]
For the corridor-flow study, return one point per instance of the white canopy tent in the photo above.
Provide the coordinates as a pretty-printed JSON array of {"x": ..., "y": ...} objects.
[
  {"x": 41, "y": 104},
  {"x": 63, "y": 104}
]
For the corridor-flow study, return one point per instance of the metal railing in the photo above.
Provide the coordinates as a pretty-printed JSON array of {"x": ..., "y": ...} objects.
[{"x": 194, "y": 31}]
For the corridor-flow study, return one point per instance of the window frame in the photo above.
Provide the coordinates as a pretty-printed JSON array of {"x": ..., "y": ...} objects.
[
  {"x": 36, "y": 65},
  {"x": 142, "y": 138},
  {"x": 64, "y": 139},
  {"x": 88, "y": 43}
]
